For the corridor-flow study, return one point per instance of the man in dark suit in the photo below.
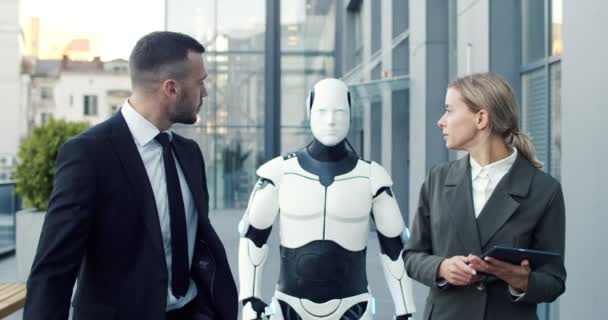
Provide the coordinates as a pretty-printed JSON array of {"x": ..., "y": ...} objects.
[{"x": 128, "y": 215}]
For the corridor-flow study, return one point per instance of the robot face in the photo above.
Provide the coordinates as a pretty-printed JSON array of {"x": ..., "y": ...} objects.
[{"x": 329, "y": 112}]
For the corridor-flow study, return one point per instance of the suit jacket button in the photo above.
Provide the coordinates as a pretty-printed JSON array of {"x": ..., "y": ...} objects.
[{"x": 481, "y": 286}]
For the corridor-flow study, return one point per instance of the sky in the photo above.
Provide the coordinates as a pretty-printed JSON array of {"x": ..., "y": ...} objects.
[{"x": 119, "y": 23}]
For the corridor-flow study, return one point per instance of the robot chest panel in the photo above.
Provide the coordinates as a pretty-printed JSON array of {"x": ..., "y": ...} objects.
[{"x": 347, "y": 199}]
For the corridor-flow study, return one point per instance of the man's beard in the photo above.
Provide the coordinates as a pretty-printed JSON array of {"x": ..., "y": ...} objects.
[{"x": 182, "y": 113}]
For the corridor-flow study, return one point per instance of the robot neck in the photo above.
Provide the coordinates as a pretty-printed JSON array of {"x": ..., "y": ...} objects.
[{"x": 322, "y": 152}]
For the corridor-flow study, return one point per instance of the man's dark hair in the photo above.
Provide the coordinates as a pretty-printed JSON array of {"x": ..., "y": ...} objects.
[{"x": 160, "y": 55}]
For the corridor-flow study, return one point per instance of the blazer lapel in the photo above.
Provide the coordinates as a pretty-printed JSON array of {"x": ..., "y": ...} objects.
[
  {"x": 192, "y": 170},
  {"x": 133, "y": 166},
  {"x": 502, "y": 204},
  {"x": 461, "y": 211}
]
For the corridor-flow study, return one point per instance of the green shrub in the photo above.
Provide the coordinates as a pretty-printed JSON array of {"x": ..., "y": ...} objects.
[{"x": 37, "y": 156}]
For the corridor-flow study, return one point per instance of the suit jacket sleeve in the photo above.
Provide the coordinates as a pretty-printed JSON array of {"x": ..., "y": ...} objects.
[
  {"x": 547, "y": 283},
  {"x": 420, "y": 263},
  {"x": 64, "y": 233}
]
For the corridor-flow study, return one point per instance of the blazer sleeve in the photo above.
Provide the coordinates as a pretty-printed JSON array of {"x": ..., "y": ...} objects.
[
  {"x": 420, "y": 263},
  {"x": 547, "y": 283},
  {"x": 62, "y": 242}
]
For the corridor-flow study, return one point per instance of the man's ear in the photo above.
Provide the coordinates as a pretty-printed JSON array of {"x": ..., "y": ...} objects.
[{"x": 169, "y": 87}]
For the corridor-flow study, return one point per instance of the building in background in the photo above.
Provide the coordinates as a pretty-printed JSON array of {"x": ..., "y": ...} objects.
[
  {"x": 12, "y": 119},
  {"x": 76, "y": 90}
]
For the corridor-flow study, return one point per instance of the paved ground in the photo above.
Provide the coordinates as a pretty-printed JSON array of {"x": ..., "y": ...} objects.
[{"x": 225, "y": 222}]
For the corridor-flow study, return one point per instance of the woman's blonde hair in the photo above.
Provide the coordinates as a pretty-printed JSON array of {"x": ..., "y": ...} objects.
[{"x": 490, "y": 92}]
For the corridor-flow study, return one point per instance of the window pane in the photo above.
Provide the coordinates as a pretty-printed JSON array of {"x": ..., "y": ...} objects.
[
  {"x": 556, "y": 27},
  {"x": 214, "y": 23},
  {"x": 308, "y": 25},
  {"x": 376, "y": 26},
  {"x": 400, "y": 148},
  {"x": 376, "y": 131},
  {"x": 400, "y": 16},
  {"x": 353, "y": 40},
  {"x": 533, "y": 30},
  {"x": 536, "y": 112},
  {"x": 401, "y": 59},
  {"x": 377, "y": 72}
]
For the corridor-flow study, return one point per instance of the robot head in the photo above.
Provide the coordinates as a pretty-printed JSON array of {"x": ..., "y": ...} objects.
[{"x": 329, "y": 111}]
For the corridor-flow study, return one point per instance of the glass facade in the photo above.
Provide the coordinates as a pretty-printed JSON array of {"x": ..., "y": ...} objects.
[
  {"x": 401, "y": 59},
  {"x": 533, "y": 28},
  {"x": 400, "y": 16},
  {"x": 307, "y": 45},
  {"x": 230, "y": 130},
  {"x": 376, "y": 26}
]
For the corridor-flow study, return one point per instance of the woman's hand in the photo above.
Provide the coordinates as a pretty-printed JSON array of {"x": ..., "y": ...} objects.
[
  {"x": 515, "y": 275},
  {"x": 456, "y": 271}
]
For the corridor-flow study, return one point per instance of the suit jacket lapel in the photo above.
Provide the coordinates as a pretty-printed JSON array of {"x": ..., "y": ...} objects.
[
  {"x": 461, "y": 211},
  {"x": 192, "y": 170},
  {"x": 503, "y": 203},
  {"x": 133, "y": 167}
]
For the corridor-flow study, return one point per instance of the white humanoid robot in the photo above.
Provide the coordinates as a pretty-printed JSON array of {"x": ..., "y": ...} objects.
[{"x": 324, "y": 195}]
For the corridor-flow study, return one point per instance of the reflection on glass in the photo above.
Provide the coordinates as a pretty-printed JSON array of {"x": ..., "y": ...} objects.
[
  {"x": 307, "y": 42},
  {"x": 556, "y": 27},
  {"x": 533, "y": 30},
  {"x": 400, "y": 16},
  {"x": 307, "y": 25},
  {"x": 230, "y": 129},
  {"x": 213, "y": 22},
  {"x": 401, "y": 59},
  {"x": 376, "y": 26},
  {"x": 299, "y": 73}
]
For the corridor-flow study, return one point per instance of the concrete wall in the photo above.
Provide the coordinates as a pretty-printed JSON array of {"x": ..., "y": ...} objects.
[
  {"x": 429, "y": 77},
  {"x": 584, "y": 170}
]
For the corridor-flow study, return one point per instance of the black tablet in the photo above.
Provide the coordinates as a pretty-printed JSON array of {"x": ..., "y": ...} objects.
[{"x": 515, "y": 255}]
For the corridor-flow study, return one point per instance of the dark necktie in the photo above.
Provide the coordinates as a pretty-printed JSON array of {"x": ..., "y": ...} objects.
[{"x": 179, "y": 242}]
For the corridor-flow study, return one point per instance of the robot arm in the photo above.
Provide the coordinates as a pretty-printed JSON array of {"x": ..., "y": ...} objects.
[
  {"x": 391, "y": 234},
  {"x": 254, "y": 229}
]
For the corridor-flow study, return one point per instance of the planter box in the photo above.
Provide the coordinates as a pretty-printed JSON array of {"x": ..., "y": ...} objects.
[{"x": 28, "y": 226}]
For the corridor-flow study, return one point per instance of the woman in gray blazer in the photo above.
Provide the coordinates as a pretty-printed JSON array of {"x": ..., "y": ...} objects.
[{"x": 496, "y": 195}]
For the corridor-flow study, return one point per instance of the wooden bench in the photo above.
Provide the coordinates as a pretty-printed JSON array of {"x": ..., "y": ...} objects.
[{"x": 12, "y": 298}]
